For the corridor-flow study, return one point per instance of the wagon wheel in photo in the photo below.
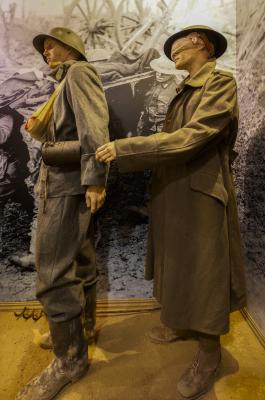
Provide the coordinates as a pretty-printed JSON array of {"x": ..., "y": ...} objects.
[
  {"x": 94, "y": 20},
  {"x": 138, "y": 25}
]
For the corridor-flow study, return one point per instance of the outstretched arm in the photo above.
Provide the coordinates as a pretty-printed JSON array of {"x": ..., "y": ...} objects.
[{"x": 208, "y": 123}]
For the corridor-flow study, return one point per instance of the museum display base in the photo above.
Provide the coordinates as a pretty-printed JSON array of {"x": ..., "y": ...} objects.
[{"x": 124, "y": 364}]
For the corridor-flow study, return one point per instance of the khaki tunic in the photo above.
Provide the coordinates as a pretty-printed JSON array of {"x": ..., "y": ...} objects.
[
  {"x": 194, "y": 249},
  {"x": 80, "y": 112},
  {"x": 65, "y": 258}
]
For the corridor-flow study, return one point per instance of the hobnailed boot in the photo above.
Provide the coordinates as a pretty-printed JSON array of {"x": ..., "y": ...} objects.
[
  {"x": 69, "y": 365},
  {"x": 200, "y": 376},
  {"x": 89, "y": 320},
  {"x": 161, "y": 334}
]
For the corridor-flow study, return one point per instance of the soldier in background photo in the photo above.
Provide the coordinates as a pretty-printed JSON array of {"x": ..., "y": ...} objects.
[
  {"x": 26, "y": 89},
  {"x": 159, "y": 96},
  {"x": 152, "y": 119},
  {"x": 14, "y": 158}
]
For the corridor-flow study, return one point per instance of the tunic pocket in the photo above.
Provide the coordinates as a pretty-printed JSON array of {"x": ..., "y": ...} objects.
[{"x": 209, "y": 184}]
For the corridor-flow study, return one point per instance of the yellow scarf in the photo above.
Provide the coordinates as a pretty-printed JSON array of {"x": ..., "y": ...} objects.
[{"x": 39, "y": 122}]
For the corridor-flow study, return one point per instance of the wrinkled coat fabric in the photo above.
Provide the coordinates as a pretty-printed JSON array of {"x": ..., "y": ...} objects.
[
  {"x": 194, "y": 250},
  {"x": 80, "y": 112},
  {"x": 65, "y": 259}
]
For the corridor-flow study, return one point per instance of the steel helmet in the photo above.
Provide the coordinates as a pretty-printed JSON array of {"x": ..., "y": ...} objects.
[
  {"x": 63, "y": 35},
  {"x": 217, "y": 39}
]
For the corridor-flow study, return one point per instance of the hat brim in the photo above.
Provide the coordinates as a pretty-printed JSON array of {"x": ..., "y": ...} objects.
[
  {"x": 164, "y": 71},
  {"x": 38, "y": 43},
  {"x": 218, "y": 40}
]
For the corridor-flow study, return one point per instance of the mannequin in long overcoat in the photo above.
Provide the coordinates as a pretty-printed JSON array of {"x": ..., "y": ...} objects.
[{"x": 194, "y": 250}]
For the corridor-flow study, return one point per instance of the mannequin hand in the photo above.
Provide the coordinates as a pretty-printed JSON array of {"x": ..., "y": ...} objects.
[
  {"x": 106, "y": 153},
  {"x": 95, "y": 197}
]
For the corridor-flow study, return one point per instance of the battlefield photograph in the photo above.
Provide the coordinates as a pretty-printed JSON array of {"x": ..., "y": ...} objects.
[
  {"x": 124, "y": 41},
  {"x": 132, "y": 193}
]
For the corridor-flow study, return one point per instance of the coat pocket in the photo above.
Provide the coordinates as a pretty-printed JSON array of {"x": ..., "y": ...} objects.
[{"x": 209, "y": 184}]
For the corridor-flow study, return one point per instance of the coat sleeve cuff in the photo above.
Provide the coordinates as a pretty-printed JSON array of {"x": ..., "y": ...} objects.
[
  {"x": 93, "y": 172},
  {"x": 137, "y": 153}
]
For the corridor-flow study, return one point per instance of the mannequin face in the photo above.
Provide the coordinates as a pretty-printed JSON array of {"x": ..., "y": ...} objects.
[
  {"x": 55, "y": 52},
  {"x": 184, "y": 51}
]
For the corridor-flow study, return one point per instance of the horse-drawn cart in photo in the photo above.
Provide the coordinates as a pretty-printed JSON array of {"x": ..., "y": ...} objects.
[{"x": 128, "y": 26}]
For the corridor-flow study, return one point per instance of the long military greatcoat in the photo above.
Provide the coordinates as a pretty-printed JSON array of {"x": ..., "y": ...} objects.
[{"x": 194, "y": 249}]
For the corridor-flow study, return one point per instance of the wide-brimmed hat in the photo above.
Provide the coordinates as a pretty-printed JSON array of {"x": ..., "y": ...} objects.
[
  {"x": 164, "y": 66},
  {"x": 63, "y": 35},
  {"x": 216, "y": 38}
]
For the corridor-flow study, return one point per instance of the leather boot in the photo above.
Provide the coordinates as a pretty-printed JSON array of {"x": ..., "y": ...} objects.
[
  {"x": 161, "y": 334},
  {"x": 69, "y": 365},
  {"x": 201, "y": 374},
  {"x": 89, "y": 320}
]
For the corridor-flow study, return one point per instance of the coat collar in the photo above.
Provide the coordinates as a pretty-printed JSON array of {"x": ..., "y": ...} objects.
[
  {"x": 59, "y": 72},
  {"x": 199, "y": 79}
]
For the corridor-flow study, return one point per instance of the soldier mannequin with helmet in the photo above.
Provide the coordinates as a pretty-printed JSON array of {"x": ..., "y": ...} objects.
[
  {"x": 69, "y": 192},
  {"x": 194, "y": 249}
]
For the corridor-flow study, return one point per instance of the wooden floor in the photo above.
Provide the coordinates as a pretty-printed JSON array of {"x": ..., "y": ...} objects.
[{"x": 126, "y": 366}]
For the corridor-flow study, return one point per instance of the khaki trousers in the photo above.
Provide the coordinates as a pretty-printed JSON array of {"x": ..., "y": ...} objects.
[{"x": 65, "y": 256}]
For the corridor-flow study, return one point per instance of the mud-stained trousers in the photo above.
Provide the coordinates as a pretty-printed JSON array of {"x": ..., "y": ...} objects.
[{"x": 65, "y": 256}]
